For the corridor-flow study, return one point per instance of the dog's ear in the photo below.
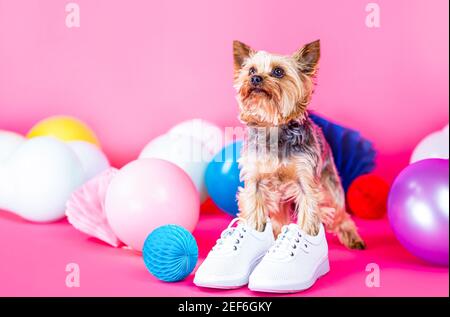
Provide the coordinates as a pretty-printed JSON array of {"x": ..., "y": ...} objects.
[
  {"x": 308, "y": 58},
  {"x": 241, "y": 52}
]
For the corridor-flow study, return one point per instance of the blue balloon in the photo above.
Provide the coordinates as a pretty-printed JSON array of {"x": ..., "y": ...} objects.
[
  {"x": 222, "y": 178},
  {"x": 170, "y": 253}
]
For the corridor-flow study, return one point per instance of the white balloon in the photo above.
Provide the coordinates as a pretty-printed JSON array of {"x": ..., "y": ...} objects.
[
  {"x": 435, "y": 145},
  {"x": 184, "y": 151},
  {"x": 38, "y": 179},
  {"x": 94, "y": 161},
  {"x": 9, "y": 142},
  {"x": 207, "y": 133}
]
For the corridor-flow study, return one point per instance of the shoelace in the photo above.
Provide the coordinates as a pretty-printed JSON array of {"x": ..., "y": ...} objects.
[
  {"x": 231, "y": 237},
  {"x": 288, "y": 242}
]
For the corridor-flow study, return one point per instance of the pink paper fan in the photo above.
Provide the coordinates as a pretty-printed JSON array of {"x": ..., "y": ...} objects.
[{"x": 85, "y": 209}]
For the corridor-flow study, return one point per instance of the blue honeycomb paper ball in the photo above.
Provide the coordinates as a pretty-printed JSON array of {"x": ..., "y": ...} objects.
[{"x": 170, "y": 253}]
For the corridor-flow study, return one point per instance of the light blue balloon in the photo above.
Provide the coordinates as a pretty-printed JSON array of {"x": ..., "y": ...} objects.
[{"x": 222, "y": 178}]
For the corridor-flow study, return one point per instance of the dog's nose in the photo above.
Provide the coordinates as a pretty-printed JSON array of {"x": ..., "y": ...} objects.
[{"x": 256, "y": 80}]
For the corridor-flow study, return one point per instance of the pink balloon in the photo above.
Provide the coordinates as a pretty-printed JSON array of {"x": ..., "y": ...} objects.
[{"x": 149, "y": 193}]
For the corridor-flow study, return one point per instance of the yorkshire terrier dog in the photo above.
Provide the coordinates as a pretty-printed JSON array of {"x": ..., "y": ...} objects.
[{"x": 286, "y": 164}]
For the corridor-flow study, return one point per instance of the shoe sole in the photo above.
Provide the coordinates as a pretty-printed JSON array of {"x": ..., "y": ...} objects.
[
  {"x": 236, "y": 283},
  {"x": 322, "y": 269}
]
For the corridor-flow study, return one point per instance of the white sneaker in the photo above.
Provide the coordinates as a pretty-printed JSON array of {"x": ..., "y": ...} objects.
[
  {"x": 293, "y": 264},
  {"x": 235, "y": 255}
]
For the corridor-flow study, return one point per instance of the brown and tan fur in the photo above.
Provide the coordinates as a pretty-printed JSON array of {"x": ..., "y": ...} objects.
[{"x": 286, "y": 164}]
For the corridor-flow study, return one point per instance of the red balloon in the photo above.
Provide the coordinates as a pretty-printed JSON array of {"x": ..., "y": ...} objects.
[{"x": 367, "y": 196}]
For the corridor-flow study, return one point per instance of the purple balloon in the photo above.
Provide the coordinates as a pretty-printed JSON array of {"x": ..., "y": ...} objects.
[{"x": 418, "y": 209}]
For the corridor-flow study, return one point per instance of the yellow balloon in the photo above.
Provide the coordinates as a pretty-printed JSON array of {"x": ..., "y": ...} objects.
[{"x": 64, "y": 128}]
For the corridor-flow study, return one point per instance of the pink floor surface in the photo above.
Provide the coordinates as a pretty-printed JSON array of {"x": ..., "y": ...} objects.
[{"x": 33, "y": 259}]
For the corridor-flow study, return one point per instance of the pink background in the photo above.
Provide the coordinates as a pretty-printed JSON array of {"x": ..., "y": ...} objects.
[
  {"x": 135, "y": 68},
  {"x": 34, "y": 260}
]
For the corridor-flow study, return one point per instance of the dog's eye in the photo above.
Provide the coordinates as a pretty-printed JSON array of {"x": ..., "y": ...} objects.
[
  {"x": 252, "y": 71},
  {"x": 278, "y": 72}
]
